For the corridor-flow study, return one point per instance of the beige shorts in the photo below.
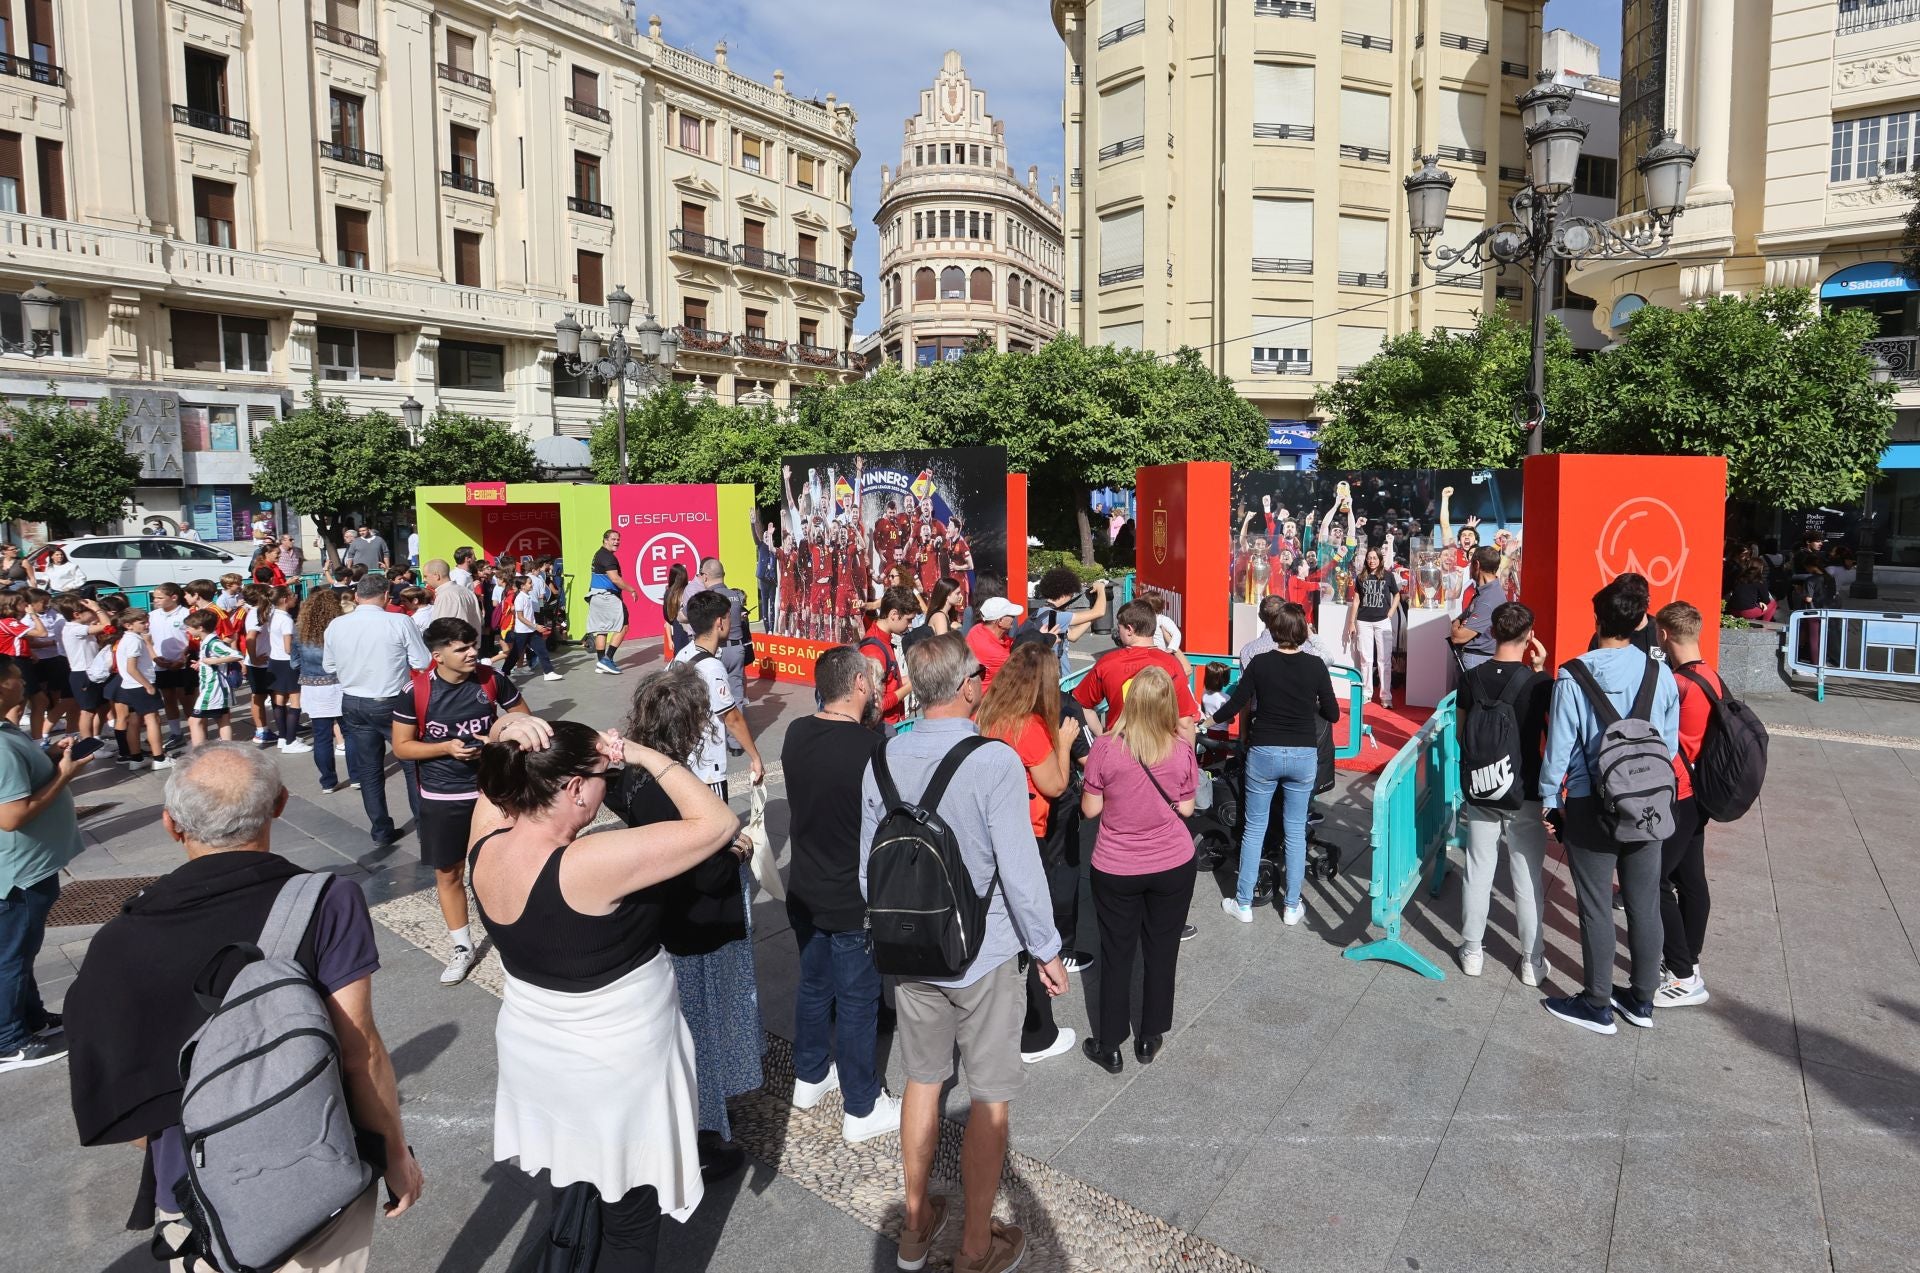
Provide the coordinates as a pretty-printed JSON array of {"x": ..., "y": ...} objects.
[{"x": 983, "y": 1019}]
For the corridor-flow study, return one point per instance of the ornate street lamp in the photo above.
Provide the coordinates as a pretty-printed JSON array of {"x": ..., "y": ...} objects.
[
  {"x": 647, "y": 362},
  {"x": 1543, "y": 231},
  {"x": 411, "y": 414},
  {"x": 41, "y": 308}
]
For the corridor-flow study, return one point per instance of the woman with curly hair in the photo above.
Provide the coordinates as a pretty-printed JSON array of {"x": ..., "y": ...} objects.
[{"x": 320, "y": 695}]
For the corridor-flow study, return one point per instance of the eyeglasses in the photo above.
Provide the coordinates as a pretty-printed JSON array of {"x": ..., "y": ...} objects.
[{"x": 979, "y": 670}]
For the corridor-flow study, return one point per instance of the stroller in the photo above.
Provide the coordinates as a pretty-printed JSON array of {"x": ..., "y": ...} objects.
[{"x": 1216, "y": 823}]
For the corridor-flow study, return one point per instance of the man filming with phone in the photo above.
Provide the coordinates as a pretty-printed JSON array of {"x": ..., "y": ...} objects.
[{"x": 1059, "y": 588}]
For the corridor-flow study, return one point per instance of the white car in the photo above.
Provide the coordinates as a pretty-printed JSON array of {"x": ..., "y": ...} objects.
[{"x": 140, "y": 561}]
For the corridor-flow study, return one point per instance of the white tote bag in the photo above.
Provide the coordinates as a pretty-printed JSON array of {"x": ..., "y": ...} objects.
[{"x": 766, "y": 866}]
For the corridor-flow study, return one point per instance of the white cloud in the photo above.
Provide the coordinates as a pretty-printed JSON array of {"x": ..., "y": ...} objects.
[{"x": 876, "y": 55}]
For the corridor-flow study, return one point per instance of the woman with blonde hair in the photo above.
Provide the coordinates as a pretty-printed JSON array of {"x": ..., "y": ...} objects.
[{"x": 1140, "y": 781}]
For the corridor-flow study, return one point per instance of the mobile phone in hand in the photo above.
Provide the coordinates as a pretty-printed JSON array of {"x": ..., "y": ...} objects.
[{"x": 85, "y": 747}]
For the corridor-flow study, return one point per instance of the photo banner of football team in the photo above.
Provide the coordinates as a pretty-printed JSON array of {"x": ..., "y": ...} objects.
[{"x": 851, "y": 526}]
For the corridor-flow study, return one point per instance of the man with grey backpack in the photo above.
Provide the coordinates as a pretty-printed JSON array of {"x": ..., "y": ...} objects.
[
  {"x": 223, "y": 1022},
  {"x": 1608, "y": 790}
]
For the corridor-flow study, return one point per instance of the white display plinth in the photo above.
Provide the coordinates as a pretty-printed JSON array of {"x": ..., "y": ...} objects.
[{"x": 1429, "y": 662}]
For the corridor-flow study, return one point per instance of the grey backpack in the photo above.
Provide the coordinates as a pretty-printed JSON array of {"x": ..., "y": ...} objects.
[
  {"x": 271, "y": 1159},
  {"x": 1633, "y": 778}
]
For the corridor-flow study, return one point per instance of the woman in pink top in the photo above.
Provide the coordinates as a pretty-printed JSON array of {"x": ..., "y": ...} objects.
[{"x": 1140, "y": 783}]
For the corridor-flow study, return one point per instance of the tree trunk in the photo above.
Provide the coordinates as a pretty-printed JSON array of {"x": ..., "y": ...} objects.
[{"x": 1082, "y": 514}]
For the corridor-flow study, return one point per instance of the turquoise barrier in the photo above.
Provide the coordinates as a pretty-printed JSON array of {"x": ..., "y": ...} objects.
[{"x": 1415, "y": 821}]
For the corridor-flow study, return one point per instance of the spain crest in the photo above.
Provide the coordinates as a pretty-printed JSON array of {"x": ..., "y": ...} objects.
[{"x": 1160, "y": 536}]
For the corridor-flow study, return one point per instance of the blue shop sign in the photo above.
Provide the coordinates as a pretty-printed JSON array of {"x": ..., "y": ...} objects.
[
  {"x": 1293, "y": 435},
  {"x": 1875, "y": 278}
]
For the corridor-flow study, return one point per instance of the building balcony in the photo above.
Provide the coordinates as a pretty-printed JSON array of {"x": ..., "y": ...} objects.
[
  {"x": 1510, "y": 173},
  {"x": 466, "y": 181},
  {"x": 818, "y": 355},
  {"x": 1281, "y": 367},
  {"x": 236, "y": 5},
  {"x": 589, "y": 207},
  {"x": 1900, "y": 354},
  {"x": 39, "y": 72},
  {"x": 346, "y": 39},
  {"x": 590, "y": 110},
  {"x": 1285, "y": 9},
  {"x": 1462, "y": 154},
  {"x": 1136, "y": 27},
  {"x": 1283, "y": 132},
  {"x": 1507, "y": 292},
  {"x": 1381, "y": 43},
  {"x": 1469, "y": 282},
  {"x": 208, "y": 120},
  {"x": 1281, "y": 265},
  {"x": 1125, "y": 274},
  {"x": 699, "y": 340},
  {"x": 753, "y": 258},
  {"x": 454, "y": 75},
  {"x": 344, "y": 154},
  {"x": 759, "y": 347},
  {"x": 850, "y": 281},
  {"x": 1366, "y": 154},
  {"x": 815, "y": 272},
  {"x": 694, "y": 243},
  {"x": 1871, "y": 15},
  {"x": 1125, "y": 147},
  {"x": 1361, "y": 278},
  {"x": 1517, "y": 70},
  {"x": 1466, "y": 43}
]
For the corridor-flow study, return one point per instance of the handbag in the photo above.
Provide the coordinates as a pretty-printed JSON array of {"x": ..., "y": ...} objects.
[
  {"x": 766, "y": 867},
  {"x": 572, "y": 1243}
]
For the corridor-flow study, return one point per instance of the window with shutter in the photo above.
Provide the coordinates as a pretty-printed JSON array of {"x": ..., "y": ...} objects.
[
  {"x": 1363, "y": 252},
  {"x": 53, "y": 179},
  {"x": 1513, "y": 149},
  {"x": 1515, "y": 46},
  {"x": 590, "y": 279},
  {"x": 350, "y": 236},
  {"x": 757, "y": 324},
  {"x": 923, "y": 284},
  {"x": 806, "y": 171},
  {"x": 1363, "y": 125},
  {"x": 692, "y": 130},
  {"x": 213, "y": 212},
  {"x": 1123, "y": 335},
  {"x": 1123, "y": 119},
  {"x": 752, "y": 153},
  {"x": 344, "y": 14},
  {"x": 345, "y": 113},
  {"x": 980, "y": 286},
  {"x": 586, "y": 86},
  {"x": 1118, "y": 15},
  {"x": 196, "y": 341},
  {"x": 1283, "y": 102},
  {"x": 466, "y": 259},
  {"x": 807, "y": 248},
  {"x": 693, "y": 314},
  {"x": 1463, "y": 126},
  {"x": 376, "y": 355},
  {"x": 1368, "y": 17},
  {"x": 1283, "y": 236},
  {"x": 460, "y": 51},
  {"x": 336, "y": 353},
  {"x": 1465, "y": 17},
  {"x": 693, "y": 217},
  {"x": 464, "y": 143},
  {"x": 586, "y": 177},
  {"x": 810, "y": 331},
  {"x": 41, "y": 44},
  {"x": 1283, "y": 345},
  {"x": 466, "y": 365},
  {"x": 1122, "y": 246},
  {"x": 754, "y": 234},
  {"x": 1356, "y": 345}
]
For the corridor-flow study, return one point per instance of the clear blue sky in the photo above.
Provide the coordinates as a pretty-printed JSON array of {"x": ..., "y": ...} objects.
[{"x": 878, "y": 54}]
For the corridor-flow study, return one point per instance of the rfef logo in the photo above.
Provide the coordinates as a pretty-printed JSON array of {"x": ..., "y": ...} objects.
[
  {"x": 657, "y": 557},
  {"x": 1644, "y": 536}
]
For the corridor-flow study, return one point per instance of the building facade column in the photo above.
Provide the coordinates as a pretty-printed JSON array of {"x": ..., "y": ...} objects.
[
  {"x": 414, "y": 208},
  {"x": 1712, "y": 131}
]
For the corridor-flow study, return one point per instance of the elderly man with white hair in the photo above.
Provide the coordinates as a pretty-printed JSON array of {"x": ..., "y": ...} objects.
[{"x": 134, "y": 1005}]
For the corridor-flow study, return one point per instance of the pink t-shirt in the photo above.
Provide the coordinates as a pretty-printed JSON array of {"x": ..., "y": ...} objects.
[{"x": 1139, "y": 831}]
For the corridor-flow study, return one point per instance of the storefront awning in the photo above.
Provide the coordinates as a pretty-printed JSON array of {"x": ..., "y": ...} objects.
[{"x": 1871, "y": 278}]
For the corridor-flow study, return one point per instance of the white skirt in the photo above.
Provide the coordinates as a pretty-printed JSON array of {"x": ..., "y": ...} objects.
[
  {"x": 599, "y": 1086},
  {"x": 320, "y": 700}
]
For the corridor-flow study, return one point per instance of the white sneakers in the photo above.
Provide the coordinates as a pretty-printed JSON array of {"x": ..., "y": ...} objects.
[
  {"x": 1681, "y": 992},
  {"x": 458, "y": 967},
  {"x": 1232, "y": 906},
  {"x": 553, "y": 676},
  {"x": 808, "y": 1095},
  {"x": 1061, "y": 1044},
  {"x": 1532, "y": 974},
  {"x": 1294, "y": 913},
  {"x": 884, "y": 1118},
  {"x": 295, "y": 747},
  {"x": 1472, "y": 962}
]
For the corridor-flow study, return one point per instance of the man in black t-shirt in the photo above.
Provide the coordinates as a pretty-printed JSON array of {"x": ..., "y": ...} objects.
[
  {"x": 826, "y": 756},
  {"x": 462, "y": 703},
  {"x": 606, "y": 612}
]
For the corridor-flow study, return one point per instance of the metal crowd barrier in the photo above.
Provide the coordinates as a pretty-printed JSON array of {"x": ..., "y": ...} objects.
[
  {"x": 1854, "y": 645},
  {"x": 1415, "y": 821}
]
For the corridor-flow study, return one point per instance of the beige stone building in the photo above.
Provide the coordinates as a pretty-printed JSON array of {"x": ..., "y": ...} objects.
[
  {"x": 1235, "y": 174},
  {"x": 398, "y": 198},
  {"x": 966, "y": 249},
  {"x": 1806, "y": 114}
]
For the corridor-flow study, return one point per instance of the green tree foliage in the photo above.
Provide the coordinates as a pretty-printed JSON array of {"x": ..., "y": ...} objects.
[
  {"x": 456, "y": 448},
  {"x": 673, "y": 438},
  {"x": 1785, "y": 392},
  {"x": 328, "y": 463},
  {"x": 65, "y": 465},
  {"x": 1440, "y": 400}
]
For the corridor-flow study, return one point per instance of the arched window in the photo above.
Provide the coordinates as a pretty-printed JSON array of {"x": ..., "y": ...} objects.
[
  {"x": 1013, "y": 291},
  {"x": 953, "y": 284},
  {"x": 1026, "y": 296},
  {"x": 981, "y": 286},
  {"x": 923, "y": 284}
]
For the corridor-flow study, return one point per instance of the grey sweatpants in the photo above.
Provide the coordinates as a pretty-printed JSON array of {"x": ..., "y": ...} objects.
[
  {"x": 1526, "y": 841},
  {"x": 1593, "y": 872}
]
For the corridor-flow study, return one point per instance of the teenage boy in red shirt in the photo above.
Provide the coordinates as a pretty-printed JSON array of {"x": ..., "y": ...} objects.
[{"x": 1106, "y": 683}]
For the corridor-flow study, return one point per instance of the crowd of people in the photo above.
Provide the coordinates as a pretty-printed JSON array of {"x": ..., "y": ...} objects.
[
  {"x": 1601, "y": 756},
  {"x": 1761, "y": 582}
]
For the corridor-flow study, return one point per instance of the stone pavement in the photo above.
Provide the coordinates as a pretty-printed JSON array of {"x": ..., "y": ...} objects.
[{"x": 1308, "y": 1113}]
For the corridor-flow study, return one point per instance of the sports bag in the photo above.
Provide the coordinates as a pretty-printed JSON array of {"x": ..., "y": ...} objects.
[
  {"x": 270, "y": 1148},
  {"x": 1732, "y": 764},
  {"x": 1633, "y": 778},
  {"x": 1491, "y": 765},
  {"x": 925, "y": 918}
]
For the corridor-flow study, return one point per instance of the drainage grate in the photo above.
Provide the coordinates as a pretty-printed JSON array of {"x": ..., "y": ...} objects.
[{"x": 94, "y": 901}]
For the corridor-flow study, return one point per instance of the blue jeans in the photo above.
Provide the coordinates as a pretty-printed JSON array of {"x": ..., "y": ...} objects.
[
  {"x": 838, "y": 995},
  {"x": 367, "y": 726},
  {"x": 325, "y": 729},
  {"x": 1293, "y": 770},
  {"x": 23, "y": 922},
  {"x": 530, "y": 646}
]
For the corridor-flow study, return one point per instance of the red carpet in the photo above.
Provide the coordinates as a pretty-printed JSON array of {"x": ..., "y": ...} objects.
[{"x": 1391, "y": 730}]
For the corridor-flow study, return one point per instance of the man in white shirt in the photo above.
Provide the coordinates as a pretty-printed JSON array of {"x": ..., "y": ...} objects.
[
  {"x": 451, "y": 599},
  {"x": 709, "y": 615},
  {"x": 373, "y": 653},
  {"x": 462, "y": 572}
]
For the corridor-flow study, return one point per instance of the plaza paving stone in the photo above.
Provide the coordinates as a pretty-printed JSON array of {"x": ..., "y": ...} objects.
[{"x": 1308, "y": 1112}]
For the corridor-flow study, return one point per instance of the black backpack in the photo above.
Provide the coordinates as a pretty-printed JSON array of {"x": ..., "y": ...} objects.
[
  {"x": 1047, "y": 622},
  {"x": 925, "y": 919},
  {"x": 914, "y": 636},
  {"x": 1491, "y": 766},
  {"x": 1732, "y": 764}
]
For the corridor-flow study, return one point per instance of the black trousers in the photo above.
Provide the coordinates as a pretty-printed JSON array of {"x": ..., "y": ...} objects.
[
  {"x": 1039, "y": 1030},
  {"x": 1594, "y": 861},
  {"x": 1146, "y": 911},
  {"x": 629, "y": 1231},
  {"x": 1684, "y": 903}
]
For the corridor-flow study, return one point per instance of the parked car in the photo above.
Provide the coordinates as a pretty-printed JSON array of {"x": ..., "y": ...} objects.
[{"x": 140, "y": 561}]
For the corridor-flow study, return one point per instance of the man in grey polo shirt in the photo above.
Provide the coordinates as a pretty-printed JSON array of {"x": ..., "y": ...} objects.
[
  {"x": 374, "y": 653},
  {"x": 984, "y": 1008},
  {"x": 367, "y": 549},
  {"x": 1472, "y": 633}
]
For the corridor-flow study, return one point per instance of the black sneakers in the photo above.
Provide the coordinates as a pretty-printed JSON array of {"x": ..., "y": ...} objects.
[{"x": 38, "y": 1050}]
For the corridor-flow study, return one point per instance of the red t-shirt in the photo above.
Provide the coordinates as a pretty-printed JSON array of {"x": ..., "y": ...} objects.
[
  {"x": 990, "y": 648},
  {"x": 1034, "y": 743},
  {"x": 1695, "y": 712},
  {"x": 1112, "y": 673},
  {"x": 13, "y": 638},
  {"x": 878, "y": 648}
]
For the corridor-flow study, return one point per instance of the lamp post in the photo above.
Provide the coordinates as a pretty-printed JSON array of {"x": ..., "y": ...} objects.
[
  {"x": 41, "y": 308},
  {"x": 1864, "y": 586},
  {"x": 1544, "y": 232},
  {"x": 411, "y": 414},
  {"x": 647, "y": 362}
]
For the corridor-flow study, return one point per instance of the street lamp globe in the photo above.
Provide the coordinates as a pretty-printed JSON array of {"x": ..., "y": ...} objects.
[
  {"x": 590, "y": 345},
  {"x": 669, "y": 350},
  {"x": 1427, "y": 194},
  {"x": 1536, "y": 104},
  {"x": 648, "y": 335},
  {"x": 42, "y": 309},
  {"x": 411, "y": 412},
  {"x": 1553, "y": 150},
  {"x": 619, "y": 308},
  {"x": 566, "y": 335},
  {"x": 1667, "y": 169}
]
